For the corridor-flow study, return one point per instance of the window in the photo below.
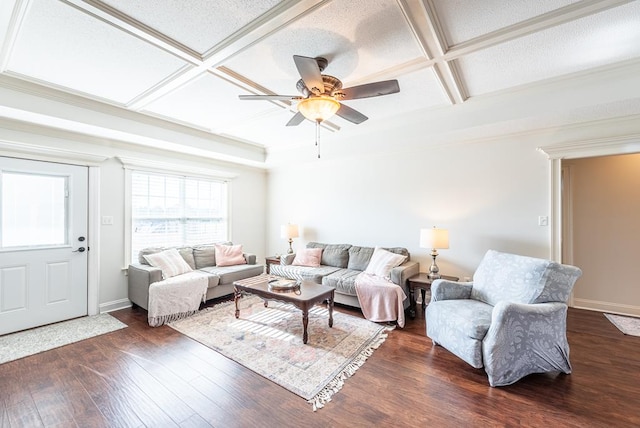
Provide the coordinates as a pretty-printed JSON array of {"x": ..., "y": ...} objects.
[{"x": 169, "y": 210}]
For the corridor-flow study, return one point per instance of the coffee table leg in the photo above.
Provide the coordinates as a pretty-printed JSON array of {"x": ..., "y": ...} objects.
[
  {"x": 331, "y": 310},
  {"x": 305, "y": 323},
  {"x": 236, "y": 296}
]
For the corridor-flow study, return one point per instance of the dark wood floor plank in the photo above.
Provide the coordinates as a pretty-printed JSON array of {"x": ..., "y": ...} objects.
[{"x": 141, "y": 376}]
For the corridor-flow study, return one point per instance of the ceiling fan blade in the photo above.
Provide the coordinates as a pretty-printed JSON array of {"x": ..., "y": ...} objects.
[
  {"x": 268, "y": 97},
  {"x": 296, "y": 119},
  {"x": 310, "y": 72},
  {"x": 350, "y": 114},
  {"x": 367, "y": 90}
]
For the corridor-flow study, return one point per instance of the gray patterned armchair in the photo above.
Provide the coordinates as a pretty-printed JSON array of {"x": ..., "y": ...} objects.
[{"x": 511, "y": 319}]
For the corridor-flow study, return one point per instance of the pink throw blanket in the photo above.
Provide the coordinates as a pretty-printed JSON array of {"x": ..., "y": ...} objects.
[{"x": 380, "y": 299}]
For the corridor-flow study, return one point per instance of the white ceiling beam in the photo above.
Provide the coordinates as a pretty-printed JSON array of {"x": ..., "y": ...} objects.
[
  {"x": 117, "y": 19},
  {"x": 259, "y": 29},
  {"x": 425, "y": 26},
  {"x": 12, "y": 16},
  {"x": 542, "y": 22}
]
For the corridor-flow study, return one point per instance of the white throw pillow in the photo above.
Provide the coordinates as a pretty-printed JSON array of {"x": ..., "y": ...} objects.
[
  {"x": 382, "y": 261},
  {"x": 170, "y": 261}
]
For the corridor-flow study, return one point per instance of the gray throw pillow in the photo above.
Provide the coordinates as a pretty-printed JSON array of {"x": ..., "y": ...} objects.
[{"x": 359, "y": 257}]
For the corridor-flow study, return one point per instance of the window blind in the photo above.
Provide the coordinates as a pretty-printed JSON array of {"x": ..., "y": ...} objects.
[{"x": 169, "y": 210}]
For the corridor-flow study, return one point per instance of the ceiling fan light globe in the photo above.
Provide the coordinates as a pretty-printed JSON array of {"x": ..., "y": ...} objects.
[{"x": 318, "y": 108}]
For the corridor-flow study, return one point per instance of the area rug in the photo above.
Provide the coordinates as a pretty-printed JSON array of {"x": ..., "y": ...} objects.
[
  {"x": 628, "y": 325},
  {"x": 269, "y": 342},
  {"x": 29, "y": 342}
]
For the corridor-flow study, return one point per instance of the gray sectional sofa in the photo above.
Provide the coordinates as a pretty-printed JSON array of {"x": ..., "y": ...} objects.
[
  {"x": 202, "y": 258},
  {"x": 340, "y": 265}
]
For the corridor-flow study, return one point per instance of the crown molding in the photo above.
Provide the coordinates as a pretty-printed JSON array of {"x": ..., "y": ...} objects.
[
  {"x": 618, "y": 145},
  {"x": 38, "y": 152},
  {"x": 176, "y": 168}
]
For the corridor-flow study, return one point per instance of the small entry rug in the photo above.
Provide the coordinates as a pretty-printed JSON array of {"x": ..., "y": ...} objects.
[
  {"x": 269, "y": 342},
  {"x": 29, "y": 342},
  {"x": 628, "y": 325}
]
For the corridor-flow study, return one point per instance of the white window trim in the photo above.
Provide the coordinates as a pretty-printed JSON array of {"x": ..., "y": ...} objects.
[{"x": 165, "y": 168}]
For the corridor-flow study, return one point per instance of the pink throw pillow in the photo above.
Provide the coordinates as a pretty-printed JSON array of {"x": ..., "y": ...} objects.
[
  {"x": 308, "y": 257},
  {"x": 229, "y": 255}
]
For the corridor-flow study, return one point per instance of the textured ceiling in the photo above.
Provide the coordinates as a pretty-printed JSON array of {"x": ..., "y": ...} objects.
[{"x": 186, "y": 61}]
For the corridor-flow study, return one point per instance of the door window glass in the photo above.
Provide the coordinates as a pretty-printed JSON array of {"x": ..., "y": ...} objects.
[{"x": 34, "y": 210}]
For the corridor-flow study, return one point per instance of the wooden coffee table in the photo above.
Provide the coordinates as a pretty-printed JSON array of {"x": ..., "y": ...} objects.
[{"x": 304, "y": 299}]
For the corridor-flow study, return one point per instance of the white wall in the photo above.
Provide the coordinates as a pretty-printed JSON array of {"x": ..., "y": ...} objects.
[{"x": 488, "y": 195}]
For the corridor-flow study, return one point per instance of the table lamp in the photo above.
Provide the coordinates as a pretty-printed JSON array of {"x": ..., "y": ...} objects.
[
  {"x": 289, "y": 231},
  {"x": 434, "y": 239}
]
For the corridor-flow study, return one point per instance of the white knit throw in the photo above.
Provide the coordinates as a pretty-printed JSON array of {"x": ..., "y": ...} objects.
[{"x": 177, "y": 297}]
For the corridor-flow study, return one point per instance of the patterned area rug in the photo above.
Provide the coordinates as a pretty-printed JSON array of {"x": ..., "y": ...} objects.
[
  {"x": 29, "y": 342},
  {"x": 269, "y": 342},
  {"x": 628, "y": 325}
]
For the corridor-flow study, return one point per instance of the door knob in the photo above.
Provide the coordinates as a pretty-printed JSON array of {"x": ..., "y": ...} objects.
[
  {"x": 79, "y": 250},
  {"x": 81, "y": 238}
]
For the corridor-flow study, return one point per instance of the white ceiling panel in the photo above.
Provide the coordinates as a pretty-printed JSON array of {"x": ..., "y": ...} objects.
[
  {"x": 608, "y": 37},
  {"x": 418, "y": 90},
  {"x": 63, "y": 46},
  {"x": 463, "y": 20},
  {"x": 197, "y": 24},
  {"x": 208, "y": 102},
  {"x": 377, "y": 40}
]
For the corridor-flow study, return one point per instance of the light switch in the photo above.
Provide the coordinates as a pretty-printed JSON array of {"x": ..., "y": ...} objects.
[
  {"x": 107, "y": 220},
  {"x": 543, "y": 220}
]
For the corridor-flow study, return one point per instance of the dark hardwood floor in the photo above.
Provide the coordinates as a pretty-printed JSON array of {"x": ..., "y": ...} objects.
[{"x": 156, "y": 377}]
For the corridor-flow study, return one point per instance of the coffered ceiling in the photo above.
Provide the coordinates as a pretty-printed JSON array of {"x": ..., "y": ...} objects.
[{"x": 181, "y": 64}]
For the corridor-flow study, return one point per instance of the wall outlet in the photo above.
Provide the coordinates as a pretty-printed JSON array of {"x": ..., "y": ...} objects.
[{"x": 543, "y": 220}]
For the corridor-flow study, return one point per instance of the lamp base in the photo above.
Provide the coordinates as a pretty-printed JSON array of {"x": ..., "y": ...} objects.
[
  {"x": 290, "y": 250},
  {"x": 434, "y": 270}
]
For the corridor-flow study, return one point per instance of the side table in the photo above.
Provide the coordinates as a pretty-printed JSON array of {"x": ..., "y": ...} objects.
[
  {"x": 423, "y": 282},
  {"x": 271, "y": 260}
]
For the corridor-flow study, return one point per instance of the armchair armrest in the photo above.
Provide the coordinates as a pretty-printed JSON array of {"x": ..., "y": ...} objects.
[
  {"x": 442, "y": 289},
  {"x": 406, "y": 270},
  {"x": 250, "y": 258},
  {"x": 525, "y": 339}
]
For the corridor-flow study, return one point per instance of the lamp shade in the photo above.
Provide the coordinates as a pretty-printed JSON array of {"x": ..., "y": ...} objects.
[
  {"x": 434, "y": 238},
  {"x": 318, "y": 108},
  {"x": 289, "y": 231}
]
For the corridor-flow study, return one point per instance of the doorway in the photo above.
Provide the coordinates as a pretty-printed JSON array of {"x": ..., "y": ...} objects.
[{"x": 43, "y": 243}]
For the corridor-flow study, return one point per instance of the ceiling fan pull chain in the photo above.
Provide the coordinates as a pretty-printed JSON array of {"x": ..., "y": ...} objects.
[{"x": 318, "y": 136}]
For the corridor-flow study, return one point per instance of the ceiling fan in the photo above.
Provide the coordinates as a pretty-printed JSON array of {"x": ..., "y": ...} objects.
[{"x": 322, "y": 94}]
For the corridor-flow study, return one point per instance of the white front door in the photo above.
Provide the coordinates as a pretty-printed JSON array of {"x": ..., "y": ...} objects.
[{"x": 43, "y": 243}]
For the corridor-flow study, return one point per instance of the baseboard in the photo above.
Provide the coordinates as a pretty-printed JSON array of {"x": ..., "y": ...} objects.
[
  {"x": 614, "y": 308},
  {"x": 115, "y": 305}
]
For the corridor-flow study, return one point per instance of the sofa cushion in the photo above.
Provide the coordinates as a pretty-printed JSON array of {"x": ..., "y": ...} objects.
[
  {"x": 230, "y": 274},
  {"x": 382, "y": 261},
  {"x": 333, "y": 254},
  {"x": 229, "y": 255},
  {"x": 169, "y": 261},
  {"x": 146, "y": 252},
  {"x": 343, "y": 280},
  {"x": 471, "y": 318},
  {"x": 204, "y": 256}
]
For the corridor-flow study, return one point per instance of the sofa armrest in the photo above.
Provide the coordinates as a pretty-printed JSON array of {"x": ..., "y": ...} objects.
[
  {"x": 442, "y": 289},
  {"x": 287, "y": 259},
  {"x": 406, "y": 270},
  {"x": 250, "y": 258},
  {"x": 139, "y": 278}
]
